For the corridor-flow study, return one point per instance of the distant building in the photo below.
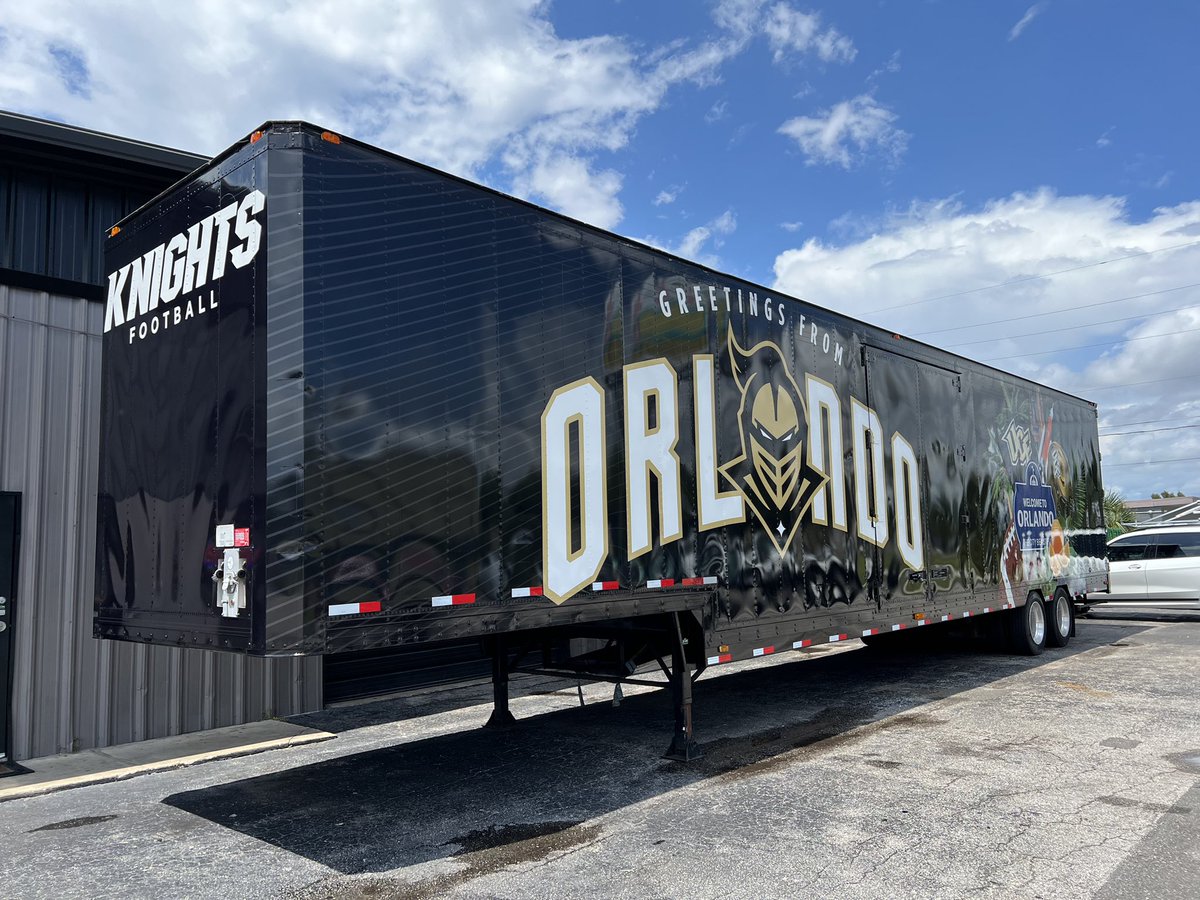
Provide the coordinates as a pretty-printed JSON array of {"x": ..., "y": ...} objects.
[{"x": 1164, "y": 511}]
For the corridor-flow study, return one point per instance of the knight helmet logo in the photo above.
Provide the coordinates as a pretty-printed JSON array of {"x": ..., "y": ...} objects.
[{"x": 774, "y": 474}]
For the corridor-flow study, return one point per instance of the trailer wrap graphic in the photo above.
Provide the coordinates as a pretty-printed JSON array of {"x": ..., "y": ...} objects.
[
  {"x": 173, "y": 273},
  {"x": 445, "y": 414},
  {"x": 777, "y": 476}
]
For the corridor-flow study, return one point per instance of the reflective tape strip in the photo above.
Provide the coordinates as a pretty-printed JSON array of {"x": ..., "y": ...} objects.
[
  {"x": 920, "y": 622},
  {"x": 947, "y": 618},
  {"x": 353, "y": 609},
  {"x": 454, "y": 600},
  {"x": 966, "y": 614},
  {"x": 605, "y": 585},
  {"x": 900, "y": 626},
  {"x": 661, "y": 583},
  {"x": 867, "y": 632},
  {"x": 527, "y": 592},
  {"x": 987, "y": 609},
  {"x": 723, "y": 658},
  {"x": 834, "y": 638},
  {"x": 798, "y": 645},
  {"x": 764, "y": 651},
  {"x": 694, "y": 582}
]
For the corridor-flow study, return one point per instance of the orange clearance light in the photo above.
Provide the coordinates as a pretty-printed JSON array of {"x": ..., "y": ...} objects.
[
  {"x": 114, "y": 231},
  {"x": 724, "y": 648},
  {"x": 254, "y": 137},
  {"x": 897, "y": 337},
  {"x": 918, "y": 616},
  {"x": 331, "y": 137}
]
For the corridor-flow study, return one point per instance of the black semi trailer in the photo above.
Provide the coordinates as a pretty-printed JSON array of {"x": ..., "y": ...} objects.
[{"x": 351, "y": 402}]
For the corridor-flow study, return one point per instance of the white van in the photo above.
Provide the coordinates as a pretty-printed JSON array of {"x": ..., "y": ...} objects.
[{"x": 1155, "y": 564}]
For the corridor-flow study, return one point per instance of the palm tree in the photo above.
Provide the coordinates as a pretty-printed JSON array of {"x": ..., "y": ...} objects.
[{"x": 1116, "y": 513}]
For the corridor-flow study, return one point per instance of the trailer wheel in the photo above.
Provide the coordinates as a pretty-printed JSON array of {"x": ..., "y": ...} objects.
[
  {"x": 1062, "y": 614},
  {"x": 1027, "y": 627}
]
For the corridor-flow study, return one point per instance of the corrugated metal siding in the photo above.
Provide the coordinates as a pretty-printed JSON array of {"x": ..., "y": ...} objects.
[
  {"x": 54, "y": 225},
  {"x": 72, "y": 691}
]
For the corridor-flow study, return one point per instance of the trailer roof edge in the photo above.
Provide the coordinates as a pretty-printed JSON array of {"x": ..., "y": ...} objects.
[{"x": 318, "y": 131}]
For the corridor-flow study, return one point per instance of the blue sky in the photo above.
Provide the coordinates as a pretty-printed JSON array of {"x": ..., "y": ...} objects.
[{"x": 862, "y": 155}]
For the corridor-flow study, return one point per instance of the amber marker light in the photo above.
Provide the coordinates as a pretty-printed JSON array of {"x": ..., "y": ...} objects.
[
  {"x": 918, "y": 616},
  {"x": 724, "y": 648},
  {"x": 254, "y": 138},
  {"x": 114, "y": 231},
  {"x": 331, "y": 137}
]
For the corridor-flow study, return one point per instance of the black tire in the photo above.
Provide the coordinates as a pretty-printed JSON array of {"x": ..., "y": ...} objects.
[
  {"x": 1027, "y": 627},
  {"x": 1060, "y": 619}
]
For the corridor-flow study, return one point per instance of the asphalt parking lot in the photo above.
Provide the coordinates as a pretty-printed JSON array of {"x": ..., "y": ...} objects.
[{"x": 840, "y": 773}]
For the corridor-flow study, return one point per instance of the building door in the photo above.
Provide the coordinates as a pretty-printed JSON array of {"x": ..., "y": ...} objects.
[{"x": 10, "y": 536}]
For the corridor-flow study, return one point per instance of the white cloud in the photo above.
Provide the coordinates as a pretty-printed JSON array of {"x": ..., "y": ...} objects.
[
  {"x": 692, "y": 245},
  {"x": 667, "y": 196},
  {"x": 460, "y": 92},
  {"x": 788, "y": 29},
  {"x": 1104, "y": 140},
  {"x": 1030, "y": 15},
  {"x": 789, "y": 32},
  {"x": 1142, "y": 274},
  {"x": 791, "y": 226},
  {"x": 569, "y": 185},
  {"x": 847, "y": 133},
  {"x": 695, "y": 244},
  {"x": 716, "y": 112}
]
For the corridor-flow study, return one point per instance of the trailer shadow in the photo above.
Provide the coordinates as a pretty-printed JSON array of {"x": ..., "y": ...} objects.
[{"x": 493, "y": 798}]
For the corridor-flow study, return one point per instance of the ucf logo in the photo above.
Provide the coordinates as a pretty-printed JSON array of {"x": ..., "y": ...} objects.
[
  {"x": 791, "y": 464},
  {"x": 773, "y": 474}
]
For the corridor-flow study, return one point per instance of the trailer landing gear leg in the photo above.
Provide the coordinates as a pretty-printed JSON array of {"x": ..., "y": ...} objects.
[
  {"x": 683, "y": 746},
  {"x": 500, "y": 717}
]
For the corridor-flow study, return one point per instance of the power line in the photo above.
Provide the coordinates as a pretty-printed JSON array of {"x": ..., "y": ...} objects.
[
  {"x": 1026, "y": 278},
  {"x": 1055, "y": 312},
  {"x": 1151, "y": 421},
  {"x": 1146, "y": 431},
  {"x": 1009, "y": 337},
  {"x": 1128, "y": 384},
  {"x": 1144, "y": 337},
  {"x": 1150, "y": 462}
]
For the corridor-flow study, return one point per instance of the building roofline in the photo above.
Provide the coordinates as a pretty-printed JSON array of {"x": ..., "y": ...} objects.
[{"x": 30, "y": 128}]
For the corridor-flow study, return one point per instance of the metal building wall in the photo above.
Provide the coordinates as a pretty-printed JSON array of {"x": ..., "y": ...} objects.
[{"x": 72, "y": 691}]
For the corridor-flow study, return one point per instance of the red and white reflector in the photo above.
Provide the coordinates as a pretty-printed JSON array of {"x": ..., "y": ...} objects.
[
  {"x": 454, "y": 600},
  {"x": 987, "y": 609},
  {"x": 867, "y": 632},
  {"x": 834, "y": 638},
  {"x": 354, "y": 609},
  {"x": 947, "y": 617},
  {"x": 696, "y": 582},
  {"x": 661, "y": 583},
  {"x": 966, "y": 614},
  {"x": 900, "y": 626},
  {"x": 764, "y": 651},
  {"x": 798, "y": 645},
  {"x": 606, "y": 585},
  {"x": 723, "y": 658},
  {"x": 527, "y": 591}
]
